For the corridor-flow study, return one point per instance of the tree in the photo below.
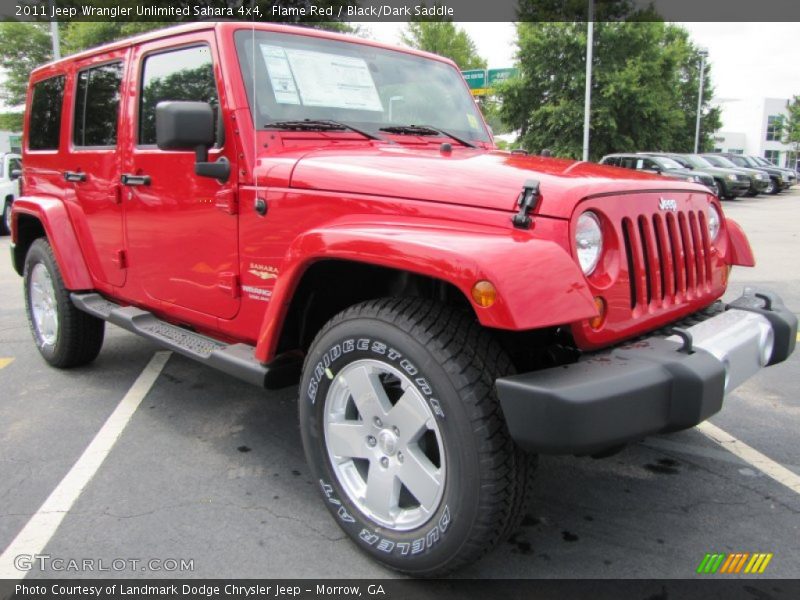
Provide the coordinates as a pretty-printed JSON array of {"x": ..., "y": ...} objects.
[
  {"x": 644, "y": 88},
  {"x": 445, "y": 39},
  {"x": 23, "y": 47},
  {"x": 11, "y": 121},
  {"x": 791, "y": 129}
]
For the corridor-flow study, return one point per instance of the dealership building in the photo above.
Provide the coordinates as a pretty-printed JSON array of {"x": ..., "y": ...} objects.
[{"x": 752, "y": 127}]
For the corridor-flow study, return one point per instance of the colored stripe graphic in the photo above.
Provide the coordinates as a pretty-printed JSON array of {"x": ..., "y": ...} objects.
[{"x": 732, "y": 563}]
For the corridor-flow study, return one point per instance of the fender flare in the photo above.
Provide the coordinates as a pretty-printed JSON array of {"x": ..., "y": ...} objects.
[
  {"x": 53, "y": 216},
  {"x": 538, "y": 282},
  {"x": 739, "y": 251}
]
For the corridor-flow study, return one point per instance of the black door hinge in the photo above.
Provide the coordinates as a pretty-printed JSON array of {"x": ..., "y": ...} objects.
[{"x": 528, "y": 198}]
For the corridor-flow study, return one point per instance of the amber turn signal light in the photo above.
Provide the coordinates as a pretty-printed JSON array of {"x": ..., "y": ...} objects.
[
  {"x": 484, "y": 293},
  {"x": 602, "y": 308}
]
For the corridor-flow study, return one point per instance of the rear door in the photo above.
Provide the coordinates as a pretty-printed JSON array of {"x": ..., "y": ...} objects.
[
  {"x": 182, "y": 231},
  {"x": 92, "y": 164}
]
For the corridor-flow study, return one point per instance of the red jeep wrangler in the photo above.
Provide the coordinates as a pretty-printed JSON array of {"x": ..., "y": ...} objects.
[{"x": 287, "y": 204}]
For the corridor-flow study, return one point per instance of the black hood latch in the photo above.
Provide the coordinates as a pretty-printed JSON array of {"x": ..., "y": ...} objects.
[{"x": 527, "y": 201}]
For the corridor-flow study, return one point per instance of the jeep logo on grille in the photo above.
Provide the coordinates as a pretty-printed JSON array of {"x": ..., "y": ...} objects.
[{"x": 667, "y": 204}]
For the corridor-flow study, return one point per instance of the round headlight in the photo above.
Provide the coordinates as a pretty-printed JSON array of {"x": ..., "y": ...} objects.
[
  {"x": 731, "y": 176},
  {"x": 714, "y": 221},
  {"x": 588, "y": 241}
]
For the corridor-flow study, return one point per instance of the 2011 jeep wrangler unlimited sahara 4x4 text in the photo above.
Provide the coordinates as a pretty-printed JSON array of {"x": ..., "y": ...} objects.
[{"x": 287, "y": 204}]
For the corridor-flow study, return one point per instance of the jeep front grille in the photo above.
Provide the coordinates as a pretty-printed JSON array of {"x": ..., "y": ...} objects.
[{"x": 668, "y": 256}]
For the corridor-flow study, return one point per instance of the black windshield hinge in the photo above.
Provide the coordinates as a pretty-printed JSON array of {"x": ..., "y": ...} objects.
[{"x": 528, "y": 198}]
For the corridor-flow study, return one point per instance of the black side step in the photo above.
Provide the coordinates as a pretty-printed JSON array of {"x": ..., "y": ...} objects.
[{"x": 233, "y": 359}]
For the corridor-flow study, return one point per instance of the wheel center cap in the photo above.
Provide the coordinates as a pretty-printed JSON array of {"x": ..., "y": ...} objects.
[{"x": 387, "y": 442}]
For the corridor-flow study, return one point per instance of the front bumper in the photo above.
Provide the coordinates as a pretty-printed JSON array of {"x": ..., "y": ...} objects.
[{"x": 652, "y": 385}]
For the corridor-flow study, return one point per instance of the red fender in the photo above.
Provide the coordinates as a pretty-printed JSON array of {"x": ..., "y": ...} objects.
[
  {"x": 538, "y": 283},
  {"x": 739, "y": 250},
  {"x": 52, "y": 214}
]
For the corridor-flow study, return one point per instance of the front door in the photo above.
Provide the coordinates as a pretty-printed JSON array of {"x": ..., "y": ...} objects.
[
  {"x": 93, "y": 163},
  {"x": 181, "y": 235}
]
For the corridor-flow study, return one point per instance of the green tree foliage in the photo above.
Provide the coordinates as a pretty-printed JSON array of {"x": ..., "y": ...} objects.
[
  {"x": 11, "y": 121},
  {"x": 23, "y": 47},
  {"x": 791, "y": 128},
  {"x": 77, "y": 36},
  {"x": 644, "y": 88},
  {"x": 446, "y": 39}
]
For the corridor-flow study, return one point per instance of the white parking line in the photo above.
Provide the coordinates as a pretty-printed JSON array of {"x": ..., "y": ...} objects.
[
  {"x": 42, "y": 525},
  {"x": 750, "y": 455}
]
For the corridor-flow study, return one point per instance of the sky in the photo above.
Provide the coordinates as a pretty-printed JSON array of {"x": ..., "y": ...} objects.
[{"x": 749, "y": 61}]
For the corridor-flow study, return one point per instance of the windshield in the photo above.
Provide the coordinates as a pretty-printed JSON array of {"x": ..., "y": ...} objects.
[
  {"x": 292, "y": 77},
  {"x": 720, "y": 161},
  {"x": 762, "y": 162},
  {"x": 697, "y": 161},
  {"x": 666, "y": 163}
]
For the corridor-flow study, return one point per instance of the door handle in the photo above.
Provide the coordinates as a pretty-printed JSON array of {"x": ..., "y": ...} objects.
[
  {"x": 127, "y": 179},
  {"x": 74, "y": 176}
]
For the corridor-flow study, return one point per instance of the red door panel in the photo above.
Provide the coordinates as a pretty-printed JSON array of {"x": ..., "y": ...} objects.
[{"x": 182, "y": 246}]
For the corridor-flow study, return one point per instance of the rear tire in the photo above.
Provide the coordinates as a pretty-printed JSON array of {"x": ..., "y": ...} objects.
[
  {"x": 412, "y": 353},
  {"x": 66, "y": 337}
]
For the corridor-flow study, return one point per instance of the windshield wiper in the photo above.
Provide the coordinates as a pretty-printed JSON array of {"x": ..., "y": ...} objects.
[
  {"x": 323, "y": 125},
  {"x": 425, "y": 130}
]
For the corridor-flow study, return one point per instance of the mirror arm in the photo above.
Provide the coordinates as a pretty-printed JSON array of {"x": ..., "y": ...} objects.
[{"x": 201, "y": 154}]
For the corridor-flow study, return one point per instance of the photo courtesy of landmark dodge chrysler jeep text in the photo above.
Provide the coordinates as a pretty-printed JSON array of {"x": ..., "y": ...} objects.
[{"x": 287, "y": 205}]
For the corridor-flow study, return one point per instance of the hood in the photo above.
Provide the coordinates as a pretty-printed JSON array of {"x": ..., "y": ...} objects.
[{"x": 478, "y": 178}]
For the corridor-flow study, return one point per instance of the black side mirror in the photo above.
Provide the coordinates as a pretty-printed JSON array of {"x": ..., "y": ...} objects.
[
  {"x": 190, "y": 126},
  {"x": 15, "y": 174}
]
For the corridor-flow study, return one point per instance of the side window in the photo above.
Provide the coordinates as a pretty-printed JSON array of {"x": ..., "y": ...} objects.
[
  {"x": 97, "y": 99},
  {"x": 185, "y": 74},
  {"x": 611, "y": 160},
  {"x": 45, "y": 120},
  {"x": 627, "y": 162}
]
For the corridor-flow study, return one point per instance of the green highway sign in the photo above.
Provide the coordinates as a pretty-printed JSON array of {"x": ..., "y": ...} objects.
[
  {"x": 482, "y": 81},
  {"x": 476, "y": 78},
  {"x": 498, "y": 76}
]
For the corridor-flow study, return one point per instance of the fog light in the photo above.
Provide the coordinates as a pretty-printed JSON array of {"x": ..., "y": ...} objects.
[
  {"x": 484, "y": 294},
  {"x": 602, "y": 308}
]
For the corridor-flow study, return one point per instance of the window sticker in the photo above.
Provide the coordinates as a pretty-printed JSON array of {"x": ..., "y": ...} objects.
[
  {"x": 327, "y": 80},
  {"x": 473, "y": 122},
  {"x": 280, "y": 74}
]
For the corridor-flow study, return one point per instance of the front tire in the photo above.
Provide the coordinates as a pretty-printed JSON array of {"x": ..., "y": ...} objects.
[
  {"x": 66, "y": 337},
  {"x": 772, "y": 187},
  {"x": 404, "y": 434}
]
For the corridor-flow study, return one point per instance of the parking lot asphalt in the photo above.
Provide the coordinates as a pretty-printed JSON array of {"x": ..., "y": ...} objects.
[{"x": 211, "y": 470}]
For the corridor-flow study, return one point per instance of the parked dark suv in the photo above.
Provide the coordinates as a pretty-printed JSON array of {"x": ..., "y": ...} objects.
[
  {"x": 731, "y": 183},
  {"x": 759, "y": 178},
  {"x": 777, "y": 177},
  {"x": 791, "y": 174},
  {"x": 661, "y": 165}
]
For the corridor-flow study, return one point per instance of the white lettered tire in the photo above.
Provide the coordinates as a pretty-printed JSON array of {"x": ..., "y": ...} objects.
[{"x": 404, "y": 434}]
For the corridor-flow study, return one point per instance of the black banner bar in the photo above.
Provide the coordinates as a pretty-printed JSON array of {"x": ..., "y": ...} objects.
[
  {"x": 298, "y": 11},
  {"x": 401, "y": 589}
]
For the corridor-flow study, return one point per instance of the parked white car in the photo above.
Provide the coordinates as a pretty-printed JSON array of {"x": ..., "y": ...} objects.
[{"x": 10, "y": 168}]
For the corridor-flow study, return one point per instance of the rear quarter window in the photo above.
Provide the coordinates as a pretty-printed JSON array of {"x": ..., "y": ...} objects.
[{"x": 45, "y": 121}]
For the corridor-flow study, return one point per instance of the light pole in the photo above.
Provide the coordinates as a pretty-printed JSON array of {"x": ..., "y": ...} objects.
[
  {"x": 703, "y": 54},
  {"x": 54, "y": 34},
  {"x": 587, "y": 102}
]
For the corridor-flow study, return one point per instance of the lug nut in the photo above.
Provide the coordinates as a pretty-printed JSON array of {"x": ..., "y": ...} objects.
[
  {"x": 399, "y": 457},
  {"x": 371, "y": 441},
  {"x": 384, "y": 462},
  {"x": 378, "y": 422},
  {"x": 396, "y": 430}
]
